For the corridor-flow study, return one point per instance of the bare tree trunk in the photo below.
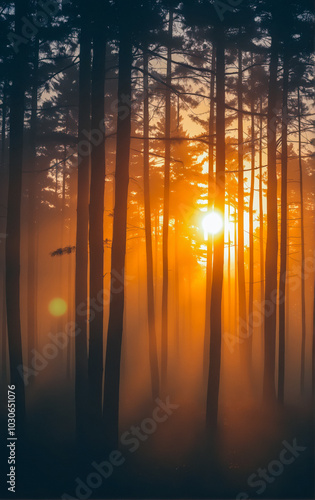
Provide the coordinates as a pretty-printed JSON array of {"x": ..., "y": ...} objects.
[
  {"x": 302, "y": 254},
  {"x": 71, "y": 345},
  {"x": 164, "y": 343},
  {"x": 218, "y": 254},
  {"x": 139, "y": 303},
  {"x": 117, "y": 293},
  {"x": 81, "y": 262},
  {"x": 241, "y": 258},
  {"x": 269, "y": 390},
  {"x": 283, "y": 247},
  {"x": 235, "y": 271},
  {"x": 4, "y": 342},
  {"x": 3, "y": 125},
  {"x": 210, "y": 207},
  {"x": 177, "y": 294},
  {"x": 229, "y": 268},
  {"x": 261, "y": 218},
  {"x": 251, "y": 233},
  {"x": 156, "y": 248},
  {"x": 190, "y": 299},
  {"x": 313, "y": 349},
  {"x": 36, "y": 278},
  {"x": 70, "y": 301},
  {"x": 96, "y": 219},
  {"x": 148, "y": 236},
  {"x": 31, "y": 271},
  {"x": 19, "y": 71},
  {"x": 2, "y": 245}
]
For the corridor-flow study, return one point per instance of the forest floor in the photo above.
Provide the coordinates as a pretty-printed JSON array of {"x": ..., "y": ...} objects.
[{"x": 174, "y": 461}]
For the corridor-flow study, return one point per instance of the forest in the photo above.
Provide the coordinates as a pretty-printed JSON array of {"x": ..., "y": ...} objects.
[{"x": 157, "y": 195}]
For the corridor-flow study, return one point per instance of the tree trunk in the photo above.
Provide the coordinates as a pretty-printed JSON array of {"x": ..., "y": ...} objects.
[
  {"x": 251, "y": 233},
  {"x": 302, "y": 254},
  {"x": 117, "y": 292},
  {"x": 3, "y": 126},
  {"x": 156, "y": 249},
  {"x": 283, "y": 242},
  {"x": 229, "y": 302},
  {"x": 19, "y": 70},
  {"x": 241, "y": 258},
  {"x": 313, "y": 349},
  {"x": 32, "y": 178},
  {"x": 4, "y": 342},
  {"x": 148, "y": 237},
  {"x": 210, "y": 207},
  {"x": 70, "y": 300},
  {"x": 177, "y": 292},
  {"x": 218, "y": 249},
  {"x": 4, "y": 186},
  {"x": 81, "y": 261},
  {"x": 236, "y": 331},
  {"x": 96, "y": 213},
  {"x": 269, "y": 390},
  {"x": 70, "y": 348},
  {"x": 164, "y": 338},
  {"x": 261, "y": 218}
]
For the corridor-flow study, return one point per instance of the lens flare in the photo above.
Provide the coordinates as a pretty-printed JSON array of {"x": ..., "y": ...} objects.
[
  {"x": 212, "y": 224},
  {"x": 57, "y": 307}
]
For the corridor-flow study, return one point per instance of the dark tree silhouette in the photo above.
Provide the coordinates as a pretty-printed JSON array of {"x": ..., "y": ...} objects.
[
  {"x": 167, "y": 166},
  {"x": 117, "y": 292},
  {"x": 81, "y": 268},
  {"x": 19, "y": 78},
  {"x": 269, "y": 389},
  {"x": 96, "y": 213},
  {"x": 303, "y": 347},
  {"x": 218, "y": 245},
  {"x": 210, "y": 207},
  {"x": 155, "y": 383},
  {"x": 251, "y": 224},
  {"x": 284, "y": 217},
  {"x": 243, "y": 330},
  {"x": 31, "y": 268}
]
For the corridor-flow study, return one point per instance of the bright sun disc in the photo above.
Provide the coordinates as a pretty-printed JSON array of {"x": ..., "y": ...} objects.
[
  {"x": 212, "y": 223},
  {"x": 57, "y": 307}
]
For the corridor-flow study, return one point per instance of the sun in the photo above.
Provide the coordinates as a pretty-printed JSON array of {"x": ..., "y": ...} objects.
[
  {"x": 57, "y": 307},
  {"x": 212, "y": 223}
]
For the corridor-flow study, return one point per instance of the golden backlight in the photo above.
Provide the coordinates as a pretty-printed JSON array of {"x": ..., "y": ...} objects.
[{"x": 212, "y": 223}]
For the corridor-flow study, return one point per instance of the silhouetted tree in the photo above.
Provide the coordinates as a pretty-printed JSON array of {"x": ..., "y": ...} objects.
[
  {"x": 218, "y": 245},
  {"x": 117, "y": 292},
  {"x": 96, "y": 213},
  {"x": 167, "y": 166},
  {"x": 81, "y": 268},
  {"x": 17, "y": 101},
  {"x": 155, "y": 382},
  {"x": 272, "y": 220}
]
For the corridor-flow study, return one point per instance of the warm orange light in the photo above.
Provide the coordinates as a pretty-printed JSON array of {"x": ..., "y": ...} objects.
[{"x": 212, "y": 223}]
